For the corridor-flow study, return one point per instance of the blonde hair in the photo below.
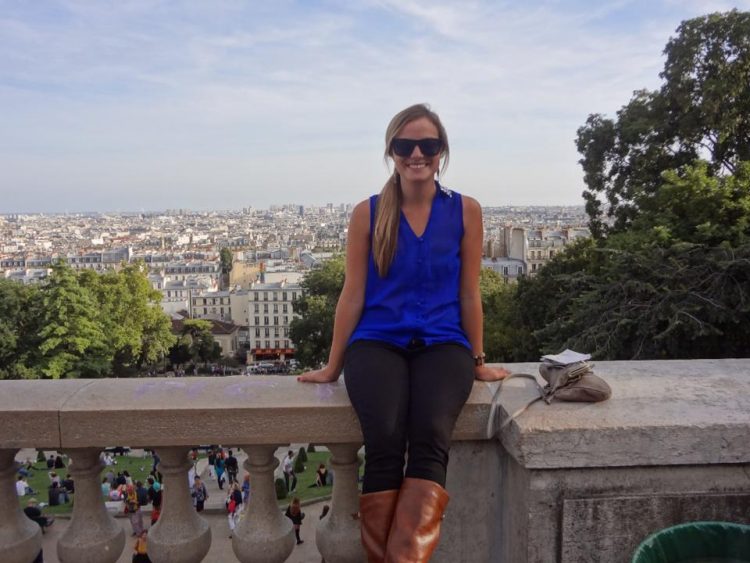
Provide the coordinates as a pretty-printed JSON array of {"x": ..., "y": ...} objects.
[{"x": 388, "y": 209}]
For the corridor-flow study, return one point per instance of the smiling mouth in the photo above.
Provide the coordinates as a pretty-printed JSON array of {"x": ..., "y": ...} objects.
[{"x": 417, "y": 165}]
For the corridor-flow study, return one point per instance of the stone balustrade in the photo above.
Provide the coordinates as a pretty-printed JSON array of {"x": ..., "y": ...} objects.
[{"x": 563, "y": 482}]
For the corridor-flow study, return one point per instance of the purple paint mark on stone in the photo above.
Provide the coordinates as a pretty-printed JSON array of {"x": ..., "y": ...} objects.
[
  {"x": 325, "y": 391},
  {"x": 248, "y": 387},
  {"x": 161, "y": 386},
  {"x": 194, "y": 390},
  {"x": 235, "y": 389}
]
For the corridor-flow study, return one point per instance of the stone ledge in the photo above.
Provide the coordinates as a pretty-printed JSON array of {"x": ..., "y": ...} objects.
[
  {"x": 145, "y": 412},
  {"x": 676, "y": 412},
  {"x": 661, "y": 413}
]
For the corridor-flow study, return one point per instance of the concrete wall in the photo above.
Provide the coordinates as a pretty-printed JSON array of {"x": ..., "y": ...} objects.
[
  {"x": 588, "y": 482},
  {"x": 563, "y": 483}
]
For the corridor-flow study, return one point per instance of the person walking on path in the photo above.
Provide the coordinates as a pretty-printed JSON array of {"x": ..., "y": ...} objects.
[
  {"x": 199, "y": 494},
  {"x": 154, "y": 496},
  {"x": 232, "y": 467},
  {"x": 295, "y": 514},
  {"x": 220, "y": 466},
  {"x": 140, "y": 549},
  {"x": 245, "y": 488},
  {"x": 289, "y": 475},
  {"x": 141, "y": 493},
  {"x": 408, "y": 336},
  {"x": 234, "y": 506},
  {"x": 133, "y": 510},
  {"x": 211, "y": 462}
]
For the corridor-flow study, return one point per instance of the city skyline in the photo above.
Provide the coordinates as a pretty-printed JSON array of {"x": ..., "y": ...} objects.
[{"x": 148, "y": 106}]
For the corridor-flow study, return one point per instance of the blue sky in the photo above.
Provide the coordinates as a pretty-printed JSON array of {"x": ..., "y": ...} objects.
[{"x": 135, "y": 104}]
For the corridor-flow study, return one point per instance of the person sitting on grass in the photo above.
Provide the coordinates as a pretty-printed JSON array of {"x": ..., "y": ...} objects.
[
  {"x": 33, "y": 512},
  {"x": 321, "y": 476},
  {"x": 68, "y": 485},
  {"x": 106, "y": 487},
  {"x": 22, "y": 487},
  {"x": 57, "y": 494}
]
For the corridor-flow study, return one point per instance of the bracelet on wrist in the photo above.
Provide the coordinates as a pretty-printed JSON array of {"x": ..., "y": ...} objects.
[{"x": 479, "y": 359}]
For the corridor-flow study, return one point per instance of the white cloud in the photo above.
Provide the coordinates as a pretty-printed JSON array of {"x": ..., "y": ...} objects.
[{"x": 305, "y": 95}]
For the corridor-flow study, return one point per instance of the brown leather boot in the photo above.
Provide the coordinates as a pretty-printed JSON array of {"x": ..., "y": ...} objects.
[
  {"x": 415, "y": 530},
  {"x": 376, "y": 513}
]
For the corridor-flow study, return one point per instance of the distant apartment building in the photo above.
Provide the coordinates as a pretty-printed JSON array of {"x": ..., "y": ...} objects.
[
  {"x": 516, "y": 251},
  {"x": 215, "y": 305},
  {"x": 100, "y": 261},
  {"x": 262, "y": 315},
  {"x": 270, "y": 313},
  {"x": 191, "y": 269},
  {"x": 27, "y": 275}
]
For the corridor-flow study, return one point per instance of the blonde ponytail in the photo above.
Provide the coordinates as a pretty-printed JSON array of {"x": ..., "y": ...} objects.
[{"x": 387, "y": 219}]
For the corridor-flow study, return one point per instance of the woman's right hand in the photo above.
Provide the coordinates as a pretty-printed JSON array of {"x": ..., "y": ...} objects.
[{"x": 323, "y": 375}]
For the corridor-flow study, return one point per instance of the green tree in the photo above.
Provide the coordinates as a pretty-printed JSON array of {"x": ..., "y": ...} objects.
[
  {"x": 82, "y": 324},
  {"x": 72, "y": 342},
  {"x": 312, "y": 332},
  {"x": 675, "y": 284},
  {"x": 226, "y": 259},
  {"x": 677, "y": 301},
  {"x": 138, "y": 332},
  {"x": 505, "y": 339},
  {"x": 702, "y": 110},
  {"x": 20, "y": 318},
  {"x": 179, "y": 353},
  {"x": 203, "y": 345},
  {"x": 157, "y": 338},
  {"x": 693, "y": 205}
]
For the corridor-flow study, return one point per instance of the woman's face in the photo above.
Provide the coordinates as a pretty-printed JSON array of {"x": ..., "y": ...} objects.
[{"x": 417, "y": 167}]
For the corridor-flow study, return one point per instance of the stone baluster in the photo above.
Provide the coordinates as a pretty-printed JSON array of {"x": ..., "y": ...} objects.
[
  {"x": 20, "y": 538},
  {"x": 263, "y": 535},
  {"x": 93, "y": 535},
  {"x": 337, "y": 536},
  {"x": 180, "y": 535}
]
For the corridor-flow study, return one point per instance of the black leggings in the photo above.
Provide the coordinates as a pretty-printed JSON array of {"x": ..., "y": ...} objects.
[{"x": 409, "y": 396}]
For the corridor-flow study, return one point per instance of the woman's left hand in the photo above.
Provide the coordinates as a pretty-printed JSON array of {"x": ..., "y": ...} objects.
[{"x": 489, "y": 373}]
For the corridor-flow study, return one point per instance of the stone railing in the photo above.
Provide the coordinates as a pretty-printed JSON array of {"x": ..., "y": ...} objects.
[{"x": 565, "y": 482}]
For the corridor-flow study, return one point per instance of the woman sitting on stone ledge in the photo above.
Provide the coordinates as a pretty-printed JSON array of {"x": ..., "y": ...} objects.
[{"x": 408, "y": 336}]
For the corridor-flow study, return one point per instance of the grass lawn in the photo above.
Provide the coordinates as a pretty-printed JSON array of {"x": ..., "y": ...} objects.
[
  {"x": 304, "y": 492},
  {"x": 138, "y": 467}
]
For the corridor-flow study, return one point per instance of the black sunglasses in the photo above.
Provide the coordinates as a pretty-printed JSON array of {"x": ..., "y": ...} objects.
[{"x": 428, "y": 147}]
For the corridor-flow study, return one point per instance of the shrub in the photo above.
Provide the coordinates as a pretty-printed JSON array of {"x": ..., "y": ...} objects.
[
  {"x": 299, "y": 465},
  {"x": 280, "y": 488},
  {"x": 302, "y": 454},
  {"x": 40, "y": 456}
]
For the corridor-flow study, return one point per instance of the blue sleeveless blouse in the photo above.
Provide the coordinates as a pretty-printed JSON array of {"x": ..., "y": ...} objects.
[{"x": 419, "y": 298}]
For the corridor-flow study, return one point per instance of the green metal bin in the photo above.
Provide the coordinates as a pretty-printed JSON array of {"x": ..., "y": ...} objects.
[{"x": 697, "y": 542}]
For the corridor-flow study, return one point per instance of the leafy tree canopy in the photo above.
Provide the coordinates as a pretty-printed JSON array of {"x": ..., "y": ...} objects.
[
  {"x": 226, "y": 258},
  {"x": 313, "y": 330},
  {"x": 82, "y": 324},
  {"x": 675, "y": 284},
  {"x": 701, "y": 111}
]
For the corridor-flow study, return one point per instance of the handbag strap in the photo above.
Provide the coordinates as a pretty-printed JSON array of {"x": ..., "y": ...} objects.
[{"x": 491, "y": 432}]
